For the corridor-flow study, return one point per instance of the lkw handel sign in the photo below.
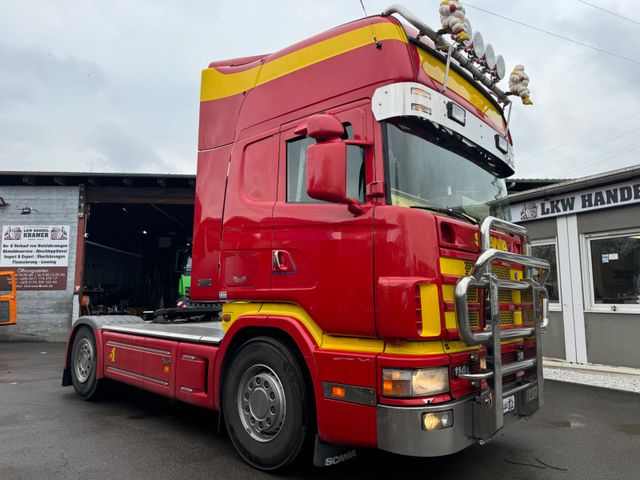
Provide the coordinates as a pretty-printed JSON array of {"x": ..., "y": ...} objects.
[
  {"x": 38, "y": 254},
  {"x": 581, "y": 201}
]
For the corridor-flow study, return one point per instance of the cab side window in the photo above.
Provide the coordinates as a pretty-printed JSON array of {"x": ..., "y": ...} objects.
[{"x": 296, "y": 170}]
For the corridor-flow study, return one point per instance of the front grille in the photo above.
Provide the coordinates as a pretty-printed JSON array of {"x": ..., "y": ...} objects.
[
  {"x": 518, "y": 302},
  {"x": 502, "y": 272},
  {"x": 506, "y": 319},
  {"x": 472, "y": 295},
  {"x": 474, "y": 319},
  {"x": 468, "y": 266},
  {"x": 504, "y": 296}
]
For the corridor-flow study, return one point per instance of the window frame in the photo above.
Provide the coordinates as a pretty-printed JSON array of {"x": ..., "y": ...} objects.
[
  {"x": 554, "y": 306},
  {"x": 587, "y": 262}
]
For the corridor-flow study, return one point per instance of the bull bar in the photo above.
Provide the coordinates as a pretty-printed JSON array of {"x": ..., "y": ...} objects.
[{"x": 488, "y": 416}]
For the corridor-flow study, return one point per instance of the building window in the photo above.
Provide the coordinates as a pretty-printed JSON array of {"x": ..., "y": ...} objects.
[
  {"x": 614, "y": 268},
  {"x": 547, "y": 249},
  {"x": 297, "y": 174}
]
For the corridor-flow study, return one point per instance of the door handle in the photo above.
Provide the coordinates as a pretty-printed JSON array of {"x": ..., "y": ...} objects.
[{"x": 282, "y": 262}]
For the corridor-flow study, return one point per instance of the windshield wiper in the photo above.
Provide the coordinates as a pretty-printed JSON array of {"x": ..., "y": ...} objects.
[{"x": 451, "y": 212}]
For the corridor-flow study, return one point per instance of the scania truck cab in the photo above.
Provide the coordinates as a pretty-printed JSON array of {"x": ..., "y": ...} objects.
[{"x": 358, "y": 280}]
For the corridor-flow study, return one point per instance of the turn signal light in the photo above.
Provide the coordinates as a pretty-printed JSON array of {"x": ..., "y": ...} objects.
[{"x": 338, "y": 392}]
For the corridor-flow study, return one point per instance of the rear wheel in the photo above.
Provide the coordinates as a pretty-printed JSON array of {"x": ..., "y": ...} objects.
[
  {"x": 83, "y": 365},
  {"x": 266, "y": 404}
]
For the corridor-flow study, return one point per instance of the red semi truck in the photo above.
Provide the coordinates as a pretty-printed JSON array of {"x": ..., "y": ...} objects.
[{"x": 355, "y": 281}]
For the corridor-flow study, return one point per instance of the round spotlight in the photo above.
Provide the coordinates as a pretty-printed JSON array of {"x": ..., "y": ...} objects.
[
  {"x": 501, "y": 68},
  {"x": 467, "y": 27},
  {"x": 489, "y": 57},
  {"x": 476, "y": 46}
]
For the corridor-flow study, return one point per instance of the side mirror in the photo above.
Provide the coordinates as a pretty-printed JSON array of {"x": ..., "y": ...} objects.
[
  {"x": 327, "y": 161},
  {"x": 327, "y": 174},
  {"x": 327, "y": 171},
  {"x": 324, "y": 127}
]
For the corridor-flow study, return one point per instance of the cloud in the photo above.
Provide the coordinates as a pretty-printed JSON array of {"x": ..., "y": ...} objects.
[{"x": 114, "y": 86}]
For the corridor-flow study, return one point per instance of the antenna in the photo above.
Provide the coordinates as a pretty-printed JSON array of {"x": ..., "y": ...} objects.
[{"x": 373, "y": 34}]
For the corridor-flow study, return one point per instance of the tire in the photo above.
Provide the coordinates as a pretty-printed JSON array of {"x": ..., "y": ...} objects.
[
  {"x": 83, "y": 365},
  {"x": 266, "y": 404}
]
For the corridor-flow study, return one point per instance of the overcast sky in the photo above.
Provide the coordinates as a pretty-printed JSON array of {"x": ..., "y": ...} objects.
[{"x": 113, "y": 86}]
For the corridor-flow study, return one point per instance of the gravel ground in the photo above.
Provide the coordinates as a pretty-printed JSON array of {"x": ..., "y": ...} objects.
[{"x": 614, "y": 381}]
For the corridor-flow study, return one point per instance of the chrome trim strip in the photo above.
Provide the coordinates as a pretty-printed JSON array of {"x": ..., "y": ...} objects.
[
  {"x": 476, "y": 377},
  {"x": 400, "y": 429},
  {"x": 164, "y": 331},
  {"x": 138, "y": 348},
  {"x": 519, "y": 388},
  {"x": 518, "y": 366},
  {"x": 137, "y": 376}
]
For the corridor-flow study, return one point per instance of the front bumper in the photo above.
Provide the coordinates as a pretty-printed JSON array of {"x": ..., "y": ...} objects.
[{"x": 400, "y": 428}]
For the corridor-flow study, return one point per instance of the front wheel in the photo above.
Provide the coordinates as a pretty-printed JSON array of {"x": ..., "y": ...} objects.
[
  {"x": 84, "y": 364},
  {"x": 266, "y": 404}
]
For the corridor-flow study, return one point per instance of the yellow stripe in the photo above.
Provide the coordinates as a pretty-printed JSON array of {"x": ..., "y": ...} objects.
[
  {"x": 456, "y": 82},
  {"x": 455, "y": 346},
  {"x": 415, "y": 348},
  {"x": 217, "y": 85},
  {"x": 452, "y": 266},
  {"x": 430, "y": 307}
]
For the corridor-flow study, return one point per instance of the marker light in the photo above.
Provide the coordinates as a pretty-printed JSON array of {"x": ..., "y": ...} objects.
[
  {"x": 456, "y": 113},
  {"x": 502, "y": 144},
  {"x": 420, "y": 93},
  {"x": 414, "y": 383},
  {"x": 437, "y": 420},
  {"x": 338, "y": 392},
  {"x": 418, "y": 107}
]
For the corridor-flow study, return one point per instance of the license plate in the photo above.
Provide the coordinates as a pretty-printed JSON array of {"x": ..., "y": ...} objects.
[{"x": 509, "y": 404}]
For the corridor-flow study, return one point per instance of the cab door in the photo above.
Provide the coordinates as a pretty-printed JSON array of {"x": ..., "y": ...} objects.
[
  {"x": 7, "y": 298},
  {"x": 322, "y": 253}
]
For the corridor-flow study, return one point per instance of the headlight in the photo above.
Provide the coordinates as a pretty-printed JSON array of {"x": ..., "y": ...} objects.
[{"x": 414, "y": 383}]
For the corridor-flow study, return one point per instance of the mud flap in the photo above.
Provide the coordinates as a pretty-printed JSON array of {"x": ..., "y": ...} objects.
[{"x": 326, "y": 454}]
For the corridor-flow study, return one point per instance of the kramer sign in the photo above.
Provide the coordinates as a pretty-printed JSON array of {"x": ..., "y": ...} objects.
[
  {"x": 581, "y": 201},
  {"x": 38, "y": 254}
]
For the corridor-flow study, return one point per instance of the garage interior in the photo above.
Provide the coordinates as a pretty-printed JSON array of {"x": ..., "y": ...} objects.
[
  {"x": 130, "y": 256},
  {"x": 133, "y": 233},
  {"x": 130, "y": 227}
]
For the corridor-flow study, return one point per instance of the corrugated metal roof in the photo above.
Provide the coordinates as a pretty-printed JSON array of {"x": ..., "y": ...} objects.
[{"x": 578, "y": 184}]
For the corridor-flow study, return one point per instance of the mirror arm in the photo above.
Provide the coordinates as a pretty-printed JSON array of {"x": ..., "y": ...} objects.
[
  {"x": 359, "y": 142},
  {"x": 354, "y": 206}
]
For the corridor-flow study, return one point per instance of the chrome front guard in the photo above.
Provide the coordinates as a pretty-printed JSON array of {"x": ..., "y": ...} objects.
[{"x": 488, "y": 410}]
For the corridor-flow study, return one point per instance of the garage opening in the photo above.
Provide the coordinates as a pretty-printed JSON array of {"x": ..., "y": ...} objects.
[{"x": 130, "y": 256}]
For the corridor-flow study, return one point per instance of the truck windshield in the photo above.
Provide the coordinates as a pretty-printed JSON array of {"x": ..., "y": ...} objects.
[{"x": 428, "y": 167}]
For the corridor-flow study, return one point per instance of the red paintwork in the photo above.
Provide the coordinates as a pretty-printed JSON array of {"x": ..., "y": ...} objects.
[
  {"x": 207, "y": 221},
  {"x": 159, "y": 366},
  {"x": 348, "y": 369},
  {"x": 326, "y": 171},
  {"x": 195, "y": 371},
  {"x": 324, "y": 127},
  {"x": 128, "y": 359},
  {"x": 406, "y": 246}
]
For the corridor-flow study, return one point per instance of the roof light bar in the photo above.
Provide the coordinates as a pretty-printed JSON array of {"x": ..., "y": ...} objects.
[{"x": 469, "y": 49}]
